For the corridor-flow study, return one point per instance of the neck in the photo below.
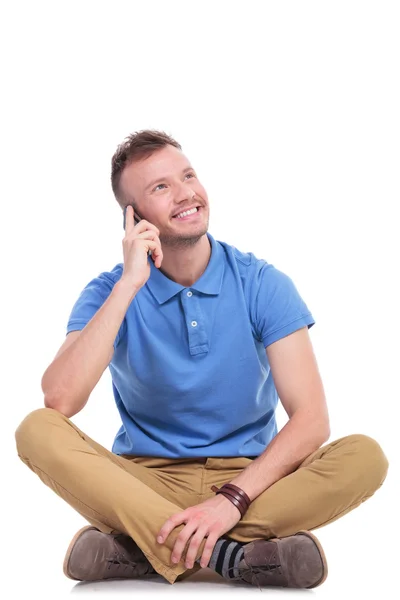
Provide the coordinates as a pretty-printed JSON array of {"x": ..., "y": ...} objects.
[{"x": 186, "y": 265}]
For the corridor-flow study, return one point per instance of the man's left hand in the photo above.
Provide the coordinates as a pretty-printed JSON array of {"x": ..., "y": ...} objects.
[{"x": 210, "y": 519}]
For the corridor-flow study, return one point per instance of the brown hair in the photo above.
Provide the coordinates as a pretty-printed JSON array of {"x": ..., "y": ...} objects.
[{"x": 139, "y": 145}]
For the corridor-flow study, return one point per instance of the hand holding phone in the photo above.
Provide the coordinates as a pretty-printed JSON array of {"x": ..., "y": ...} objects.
[
  {"x": 136, "y": 218},
  {"x": 141, "y": 240}
]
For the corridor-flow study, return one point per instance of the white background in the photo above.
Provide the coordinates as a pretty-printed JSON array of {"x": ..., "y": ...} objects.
[{"x": 289, "y": 111}]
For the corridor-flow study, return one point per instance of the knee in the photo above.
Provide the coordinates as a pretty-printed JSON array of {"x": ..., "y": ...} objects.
[
  {"x": 372, "y": 458},
  {"x": 33, "y": 430}
]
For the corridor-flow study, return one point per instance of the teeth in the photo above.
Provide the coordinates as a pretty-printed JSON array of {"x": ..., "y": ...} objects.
[{"x": 188, "y": 212}]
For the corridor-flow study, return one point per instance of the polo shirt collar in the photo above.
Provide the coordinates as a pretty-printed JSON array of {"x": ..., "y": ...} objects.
[{"x": 210, "y": 282}]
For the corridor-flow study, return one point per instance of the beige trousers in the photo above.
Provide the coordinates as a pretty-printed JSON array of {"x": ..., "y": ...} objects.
[{"x": 135, "y": 495}]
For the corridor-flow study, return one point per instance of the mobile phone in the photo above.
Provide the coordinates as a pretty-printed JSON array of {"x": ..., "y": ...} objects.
[{"x": 136, "y": 219}]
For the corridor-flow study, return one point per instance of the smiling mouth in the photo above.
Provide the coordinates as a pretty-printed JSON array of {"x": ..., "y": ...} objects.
[{"x": 188, "y": 216}]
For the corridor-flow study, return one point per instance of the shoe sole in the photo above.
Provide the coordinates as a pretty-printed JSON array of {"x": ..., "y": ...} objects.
[
  {"x": 322, "y": 555},
  {"x": 71, "y": 547}
]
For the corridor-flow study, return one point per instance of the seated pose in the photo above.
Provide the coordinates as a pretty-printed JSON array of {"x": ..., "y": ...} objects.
[{"x": 202, "y": 341}]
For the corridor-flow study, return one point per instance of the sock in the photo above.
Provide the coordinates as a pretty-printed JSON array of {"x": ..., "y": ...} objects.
[{"x": 226, "y": 555}]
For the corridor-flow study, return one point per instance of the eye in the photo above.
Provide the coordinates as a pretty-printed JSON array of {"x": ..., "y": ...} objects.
[
  {"x": 157, "y": 186},
  {"x": 191, "y": 174}
]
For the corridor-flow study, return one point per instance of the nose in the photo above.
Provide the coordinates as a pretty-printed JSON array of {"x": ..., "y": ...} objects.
[{"x": 184, "y": 192}]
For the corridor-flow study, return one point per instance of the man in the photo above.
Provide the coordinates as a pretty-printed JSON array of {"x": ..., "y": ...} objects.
[{"x": 201, "y": 341}]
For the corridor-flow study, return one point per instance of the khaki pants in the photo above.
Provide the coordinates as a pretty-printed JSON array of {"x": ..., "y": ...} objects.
[{"x": 135, "y": 495}]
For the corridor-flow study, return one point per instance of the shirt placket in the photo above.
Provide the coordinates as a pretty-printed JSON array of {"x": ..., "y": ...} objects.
[{"x": 195, "y": 325}]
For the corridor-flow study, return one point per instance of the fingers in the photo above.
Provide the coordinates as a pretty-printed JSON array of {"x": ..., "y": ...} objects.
[
  {"x": 130, "y": 223},
  {"x": 183, "y": 537},
  {"x": 143, "y": 230},
  {"x": 194, "y": 529},
  {"x": 208, "y": 549},
  {"x": 156, "y": 252},
  {"x": 194, "y": 546},
  {"x": 150, "y": 234},
  {"x": 155, "y": 249},
  {"x": 144, "y": 225},
  {"x": 182, "y": 540},
  {"x": 169, "y": 525}
]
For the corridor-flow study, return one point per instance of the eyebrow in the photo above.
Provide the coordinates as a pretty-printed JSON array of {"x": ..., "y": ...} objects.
[{"x": 163, "y": 178}]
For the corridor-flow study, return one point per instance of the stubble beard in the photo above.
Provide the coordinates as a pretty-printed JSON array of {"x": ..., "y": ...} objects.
[{"x": 183, "y": 240}]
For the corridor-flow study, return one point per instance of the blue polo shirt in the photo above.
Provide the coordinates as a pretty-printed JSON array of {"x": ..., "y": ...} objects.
[{"x": 190, "y": 375}]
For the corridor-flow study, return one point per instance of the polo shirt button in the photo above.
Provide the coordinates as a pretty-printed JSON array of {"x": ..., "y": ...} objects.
[
  {"x": 190, "y": 294},
  {"x": 194, "y": 323}
]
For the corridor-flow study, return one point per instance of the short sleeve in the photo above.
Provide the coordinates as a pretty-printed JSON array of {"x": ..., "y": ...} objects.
[
  {"x": 92, "y": 297},
  {"x": 276, "y": 307}
]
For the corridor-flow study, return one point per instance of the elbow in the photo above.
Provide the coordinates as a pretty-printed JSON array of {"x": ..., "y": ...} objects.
[
  {"x": 52, "y": 402},
  {"x": 316, "y": 426},
  {"x": 60, "y": 406},
  {"x": 327, "y": 435},
  {"x": 323, "y": 430}
]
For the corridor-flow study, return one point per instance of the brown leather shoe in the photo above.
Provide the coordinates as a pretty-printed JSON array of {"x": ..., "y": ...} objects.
[
  {"x": 296, "y": 561},
  {"x": 93, "y": 555}
]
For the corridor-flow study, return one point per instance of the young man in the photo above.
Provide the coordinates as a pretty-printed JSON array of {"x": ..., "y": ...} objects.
[{"x": 201, "y": 341}]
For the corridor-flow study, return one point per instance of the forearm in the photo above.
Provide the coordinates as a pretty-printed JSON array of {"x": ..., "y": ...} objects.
[
  {"x": 301, "y": 436},
  {"x": 69, "y": 380}
]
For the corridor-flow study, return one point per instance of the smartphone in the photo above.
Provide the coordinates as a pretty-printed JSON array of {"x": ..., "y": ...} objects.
[{"x": 136, "y": 218}]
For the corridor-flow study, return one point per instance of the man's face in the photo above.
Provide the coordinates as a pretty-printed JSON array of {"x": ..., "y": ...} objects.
[{"x": 163, "y": 185}]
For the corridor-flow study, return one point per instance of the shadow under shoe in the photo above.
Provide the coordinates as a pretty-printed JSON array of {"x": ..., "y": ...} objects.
[
  {"x": 93, "y": 555},
  {"x": 296, "y": 561}
]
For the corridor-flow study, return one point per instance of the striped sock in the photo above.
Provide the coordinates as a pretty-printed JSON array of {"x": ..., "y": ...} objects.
[{"x": 226, "y": 555}]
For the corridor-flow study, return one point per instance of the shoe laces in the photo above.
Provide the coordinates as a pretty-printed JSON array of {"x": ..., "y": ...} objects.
[
  {"x": 123, "y": 563},
  {"x": 254, "y": 571},
  {"x": 120, "y": 561}
]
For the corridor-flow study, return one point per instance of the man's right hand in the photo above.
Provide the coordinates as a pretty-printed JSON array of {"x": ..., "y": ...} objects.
[{"x": 139, "y": 239}]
